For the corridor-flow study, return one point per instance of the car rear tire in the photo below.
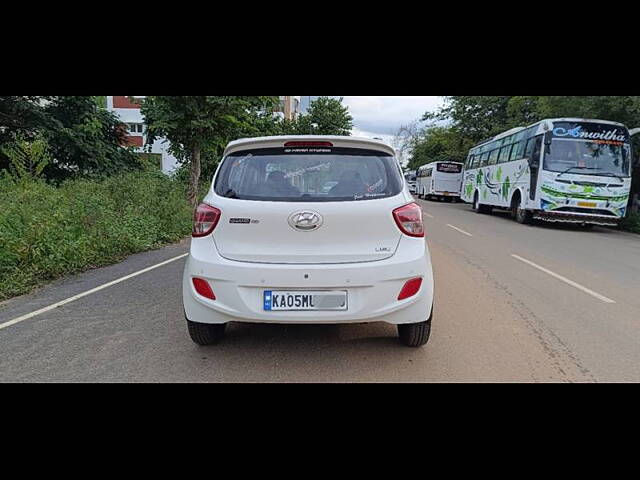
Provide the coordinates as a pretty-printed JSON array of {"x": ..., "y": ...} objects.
[
  {"x": 415, "y": 334},
  {"x": 206, "y": 333}
]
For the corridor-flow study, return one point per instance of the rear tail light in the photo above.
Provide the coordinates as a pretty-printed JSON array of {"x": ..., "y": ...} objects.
[
  {"x": 411, "y": 287},
  {"x": 203, "y": 288},
  {"x": 308, "y": 144},
  {"x": 205, "y": 219},
  {"x": 409, "y": 220}
]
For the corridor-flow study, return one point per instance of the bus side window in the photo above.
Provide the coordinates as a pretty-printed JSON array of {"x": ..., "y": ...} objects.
[
  {"x": 504, "y": 154},
  {"x": 516, "y": 151},
  {"x": 493, "y": 156}
]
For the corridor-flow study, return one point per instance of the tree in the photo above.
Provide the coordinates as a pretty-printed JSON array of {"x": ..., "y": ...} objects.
[
  {"x": 325, "y": 116},
  {"x": 474, "y": 117},
  {"x": 87, "y": 140},
  {"x": 83, "y": 138},
  {"x": 204, "y": 124},
  {"x": 404, "y": 139},
  {"x": 438, "y": 144},
  {"x": 28, "y": 158}
]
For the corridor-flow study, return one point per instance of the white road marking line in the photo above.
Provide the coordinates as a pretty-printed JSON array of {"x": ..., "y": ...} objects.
[
  {"x": 459, "y": 229},
  {"x": 565, "y": 280},
  {"x": 88, "y": 292},
  {"x": 427, "y": 215}
]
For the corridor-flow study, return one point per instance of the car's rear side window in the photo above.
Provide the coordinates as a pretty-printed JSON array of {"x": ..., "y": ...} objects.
[{"x": 310, "y": 174}]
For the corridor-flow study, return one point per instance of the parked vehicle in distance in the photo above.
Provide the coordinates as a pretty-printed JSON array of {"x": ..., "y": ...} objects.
[
  {"x": 573, "y": 170},
  {"x": 441, "y": 180},
  {"x": 271, "y": 245},
  {"x": 410, "y": 178}
]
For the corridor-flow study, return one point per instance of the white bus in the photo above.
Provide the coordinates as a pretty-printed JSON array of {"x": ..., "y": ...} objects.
[
  {"x": 441, "y": 180},
  {"x": 563, "y": 169}
]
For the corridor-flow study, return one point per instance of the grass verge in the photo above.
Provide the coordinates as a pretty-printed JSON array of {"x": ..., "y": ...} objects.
[{"x": 47, "y": 231}]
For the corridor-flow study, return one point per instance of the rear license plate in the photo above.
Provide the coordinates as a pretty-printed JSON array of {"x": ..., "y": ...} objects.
[
  {"x": 305, "y": 300},
  {"x": 587, "y": 204}
]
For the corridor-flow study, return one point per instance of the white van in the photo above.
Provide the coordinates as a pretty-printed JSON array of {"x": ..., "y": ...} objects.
[
  {"x": 308, "y": 229},
  {"x": 442, "y": 180}
]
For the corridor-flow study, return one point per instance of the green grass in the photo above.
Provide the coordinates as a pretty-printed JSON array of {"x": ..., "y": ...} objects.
[{"x": 47, "y": 231}]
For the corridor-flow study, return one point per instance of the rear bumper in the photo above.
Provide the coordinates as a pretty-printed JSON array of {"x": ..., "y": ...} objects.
[
  {"x": 567, "y": 217},
  {"x": 372, "y": 287}
]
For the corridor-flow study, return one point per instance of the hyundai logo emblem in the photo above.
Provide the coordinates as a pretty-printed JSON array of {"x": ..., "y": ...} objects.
[{"x": 305, "y": 221}]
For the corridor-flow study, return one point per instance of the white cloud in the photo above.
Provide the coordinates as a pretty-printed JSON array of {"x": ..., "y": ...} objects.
[
  {"x": 356, "y": 132},
  {"x": 383, "y": 116}
]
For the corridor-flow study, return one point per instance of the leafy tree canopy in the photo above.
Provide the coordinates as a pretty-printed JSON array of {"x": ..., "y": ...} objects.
[
  {"x": 437, "y": 144},
  {"x": 199, "y": 127},
  {"x": 325, "y": 116},
  {"x": 83, "y": 138},
  {"x": 472, "y": 119}
]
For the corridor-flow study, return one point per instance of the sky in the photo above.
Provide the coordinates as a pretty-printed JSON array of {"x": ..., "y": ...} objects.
[{"x": 383, "y": 116}]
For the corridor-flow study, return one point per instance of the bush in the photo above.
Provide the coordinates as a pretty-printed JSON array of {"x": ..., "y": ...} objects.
[
  {"x": 631, "y": 223},
  {"x": 46, "y": 232}
]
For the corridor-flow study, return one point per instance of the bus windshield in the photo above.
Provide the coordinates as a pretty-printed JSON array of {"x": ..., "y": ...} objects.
[
  {"x": 588, "y": 151},
  {"x": 587, "y": 158}
]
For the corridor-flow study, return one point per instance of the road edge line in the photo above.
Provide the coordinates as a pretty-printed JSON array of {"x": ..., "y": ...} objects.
[
  {"x": 565, "y": 280},
  {"x": 53, "y": 306},
  {"x": 459, "y": 230}
]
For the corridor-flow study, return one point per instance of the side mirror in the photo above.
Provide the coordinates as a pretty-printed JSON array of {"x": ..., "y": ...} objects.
[{"x": 547, "y": 142}]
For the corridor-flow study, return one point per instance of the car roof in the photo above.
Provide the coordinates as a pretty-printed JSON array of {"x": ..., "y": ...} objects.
[{"x": 280, "y": 140}]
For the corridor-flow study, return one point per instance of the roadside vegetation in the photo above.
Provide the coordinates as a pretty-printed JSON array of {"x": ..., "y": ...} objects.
[
  {"x": 47, "y": 231},
  {"x": 631, "y": 223},
  {"x": 74, "y": 198}
]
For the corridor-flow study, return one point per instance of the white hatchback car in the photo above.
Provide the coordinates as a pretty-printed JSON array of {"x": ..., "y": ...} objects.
[{"x": 308, "y": 229}]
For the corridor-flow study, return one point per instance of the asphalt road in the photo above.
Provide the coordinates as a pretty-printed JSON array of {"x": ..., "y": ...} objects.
[{"x": 512, "y": 303}]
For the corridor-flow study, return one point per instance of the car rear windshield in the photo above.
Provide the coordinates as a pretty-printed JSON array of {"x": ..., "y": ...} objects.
[{"x": 326, "y": 174}]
